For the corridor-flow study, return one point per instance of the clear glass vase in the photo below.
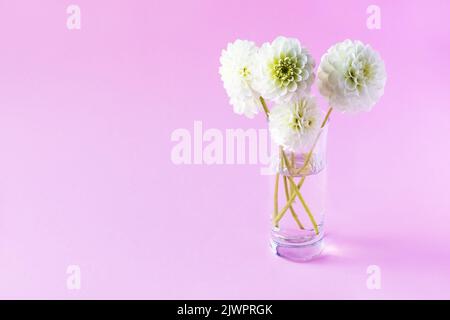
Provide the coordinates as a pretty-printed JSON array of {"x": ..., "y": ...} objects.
[{"x": 299, "y": 201}]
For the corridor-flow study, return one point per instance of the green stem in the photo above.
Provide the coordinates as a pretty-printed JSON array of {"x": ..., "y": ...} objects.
[
  {"x": 286, "y": 189},
  {"x": 302, "y": 180},
  {"x": 294, "y": 214},
  {"x": 280, "y": 215},
  {"x": 325, "y": 120},
  {"x": 308, "y": 157},
  {"x": 302, "y": 200},
  {"x": 289, "y": 203},
  {"x": 286, "y": 161},
  {"x": 264, "y": 105},
  {"x": 311, "y": 217},
  {"x": 275, "y": 196}
]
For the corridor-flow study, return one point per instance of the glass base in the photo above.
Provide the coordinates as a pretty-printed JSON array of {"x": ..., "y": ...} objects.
[{"x": 300, "y": 252}]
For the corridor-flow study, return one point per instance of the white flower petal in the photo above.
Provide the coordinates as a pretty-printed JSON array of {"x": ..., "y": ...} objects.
[
  {"x": 295, "y": 125},
  {"x": 351, "y": 76},
  {"x": 237, "y": 71},
  {"x": 297, "y": 72}
]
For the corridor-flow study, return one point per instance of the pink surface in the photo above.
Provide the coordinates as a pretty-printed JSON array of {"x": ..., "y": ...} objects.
[{"x": 86, "y": 176}]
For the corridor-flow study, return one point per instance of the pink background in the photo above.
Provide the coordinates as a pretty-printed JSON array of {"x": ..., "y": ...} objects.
[{"x": 86, "y": 176}]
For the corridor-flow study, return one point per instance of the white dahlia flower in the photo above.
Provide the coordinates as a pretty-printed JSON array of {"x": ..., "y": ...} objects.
[
  {"x": 351, "y": 76},
  {"x": 285, "y": 70},
  {"x": 237, "y": 73},
  {"x": 296, "y": 124}
]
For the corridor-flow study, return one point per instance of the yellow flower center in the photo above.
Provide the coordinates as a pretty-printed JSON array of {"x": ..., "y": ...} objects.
[
  {"x": 244, "y": 72},
  {"x": 285, "y": 70}
]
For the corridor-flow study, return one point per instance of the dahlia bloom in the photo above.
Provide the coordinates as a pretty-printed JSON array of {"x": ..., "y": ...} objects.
[
  {"x": 351, "y": 76},
  {"x": 237, "y": 73},
  {"x": 285, "y": 70},
  {"x": 295, "y": 125}
]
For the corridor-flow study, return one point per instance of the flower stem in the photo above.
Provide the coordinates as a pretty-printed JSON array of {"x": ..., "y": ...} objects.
[
  {"x": 286, "y": 190},
  {"x": 286, "y": 161},
  {"x": 264, "y": 105},
  {"x": 299, "y": 195},
  {"x": 327, "y": 116},
  {"x": 289, "y": 203},
  {"x": 302, "y": 180},
  {"x": 275, "y": 196},
  {"x": 294, "y": 214},
  {"x": 308, "y": 157},
  {"x": 278, "y": 216}
]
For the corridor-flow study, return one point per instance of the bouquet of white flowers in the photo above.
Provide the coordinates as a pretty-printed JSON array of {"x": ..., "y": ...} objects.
[{"x": 351, "y": 76}]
